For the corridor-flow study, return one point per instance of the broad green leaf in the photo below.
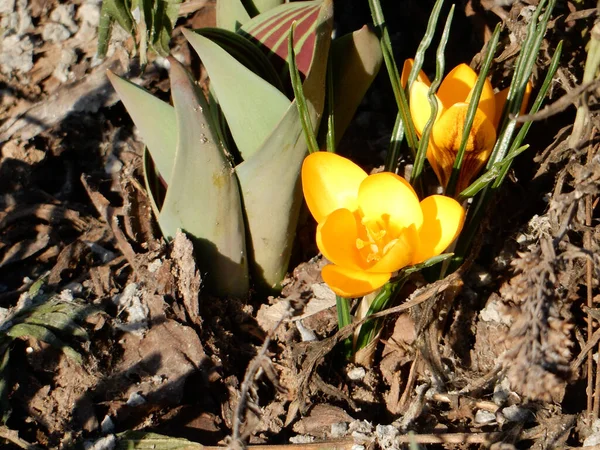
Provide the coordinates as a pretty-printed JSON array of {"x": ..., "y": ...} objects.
[
  {"x": 143, "y": 440},
  {"x": 272, "y": 199},
  {"x": 356, "y": 59},
  {"x": 270, "y": 179},
  {"x": 155, "y": 120},
  {"x": 270, "y": 32},
  {"x": 244, "y": 52},
  {"x": 264, "y": 5},
  {"x": 252, "y": 106},
  {"x": 152, "y": 183},
  {"x": 43, "y": 334},
  {"x": 231, "y": 14},
  {"x": 203, "y": 196},
  {"x": 60, "y": 322}
]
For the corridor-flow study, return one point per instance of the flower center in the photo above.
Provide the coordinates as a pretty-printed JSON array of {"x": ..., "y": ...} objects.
[{"x": 375, "y": 239}]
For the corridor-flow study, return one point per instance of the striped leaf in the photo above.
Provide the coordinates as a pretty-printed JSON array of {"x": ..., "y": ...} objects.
[{"x": 270, "y": 32}]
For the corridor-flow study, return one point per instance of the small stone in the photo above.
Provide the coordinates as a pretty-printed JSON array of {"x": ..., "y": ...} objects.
[
  {"x": 16, "y": 54},
  {"x": 55, "y": 32},
  {"x": 357, "y": 373},
  {"x": 104, "y": 443},
  {"x": 107, "y": 425},
  {"x": 135, "y": 399},
  {"x": 482, "y": 417},
  {"x": 516, "y": 413},
  {"x": 339, "y": 430},
  {"x": 302, "y": 439}
]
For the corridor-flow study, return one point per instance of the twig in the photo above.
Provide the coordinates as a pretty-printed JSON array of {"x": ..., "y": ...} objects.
[
  {"x": 109, "y": 214},
  {"x": 236, "y": 440},
  {"x": 589, "y": 267},
  {"x": 349, "y": 442},
  {"x": 587, "y": 349},
  {"x": 13, "y": 437},
  {"x": 480, "y": 404},
  {"x": 561, "y": 104},
  {"x": 410, "y": 382}
]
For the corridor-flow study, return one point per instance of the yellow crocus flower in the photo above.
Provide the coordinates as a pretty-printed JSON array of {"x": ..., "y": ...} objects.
[
  {"x": 453, "y": 99},
  {"x": 370, "y": 226}
]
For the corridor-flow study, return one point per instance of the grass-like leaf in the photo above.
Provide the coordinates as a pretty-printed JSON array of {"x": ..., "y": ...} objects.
[
  {"x": 393, "y": 152},
  {"x": 394, "y": 75},
  {"x": 415, "y": 179},
  {"x": 472, "y": 109},
  {"x": 307, "y": 126},
  {"x": 113, "y": 11},
  {"x": 143, "y": 440}
]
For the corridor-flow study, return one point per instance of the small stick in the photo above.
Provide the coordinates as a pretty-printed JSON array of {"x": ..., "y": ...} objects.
[
  {"x": 584, "y": 351},
  {"x": 561, "y": 104},
  {"x": 13, "y": 437},
  {"x": 589, "y": 268}
]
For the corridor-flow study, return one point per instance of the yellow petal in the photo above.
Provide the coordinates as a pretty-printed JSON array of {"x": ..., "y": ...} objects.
[
  {"x": 352, "y": 283},
  {"x": 408, "y": 65},
  {"x": 443, "y": 218},
  {"x": 420, "y": 110},
  {"x": 400, "y": 254},
  {"x": 445, "y": 142},
  {"x": 487, "y": 100},
  {"x": 330, "y": 182},
  {"x": 389, "y": 197},
  {"x": 456, "y": 85},
  {"x": 336, "y": 239},
  {"x": 501, "y": 101}
]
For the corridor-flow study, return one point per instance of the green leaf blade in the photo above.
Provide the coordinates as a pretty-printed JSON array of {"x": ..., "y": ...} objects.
[
  {"x": 203, "y": 197},
  {"x": 270, "y": 179},
  {"x": 252, "y": 107},
  {"x": 154, "y": 119}
]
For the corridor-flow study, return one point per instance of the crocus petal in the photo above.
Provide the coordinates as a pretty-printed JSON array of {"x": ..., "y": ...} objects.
[
  {"x": 445, "y": 142},
  {"x": 501, "y": 100},
  {"x": 330, "y": 182},
  {"x": 389, "y": 197},
  {"x": 420, "y": 110},
  {"x": 487, "y": 100},
  {"x": 336, "y": 239},
  {"x": 456, "y": 85},
  {"x": 352, "y": 283},
  {"x": 443, "y": 218},
  {"x": 400, "y": 254},
  {"x": 408, "y": 65}
]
